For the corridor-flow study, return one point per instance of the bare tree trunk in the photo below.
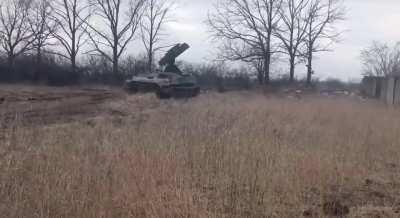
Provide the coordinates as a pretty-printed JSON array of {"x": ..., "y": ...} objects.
[
  {"x": 150, "y": 64},
  {"x": 38, "y": 70},
  {"x": 292, "y": 68},
  {"x": 10, "y": 64},
  {"x": 115, "y": 57},
  {"x": 260, "y": 76},
  {"x": 309, "y": 66},
  {"x": 73, "y": 55},
  {"x": 39, "y": 58},
  {"x": 73, "y": 65},
  {"x": 259, "y": 66},
  {"x": 267, "y": 63},
  {"x": 115, "y": 65},
  {"x": 73, "y": 42}
]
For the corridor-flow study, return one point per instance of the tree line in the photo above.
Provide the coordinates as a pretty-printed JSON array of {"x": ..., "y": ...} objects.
[
  {"x": 65, "y": 29},
  {"x": 259, "y": 32},
  {"x": 255, "y": 32}
]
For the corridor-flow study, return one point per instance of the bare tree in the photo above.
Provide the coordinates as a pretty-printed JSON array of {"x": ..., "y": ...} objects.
[
  {"x": 322, "y": 16},
  {"x": 292, "y": 30},
  {"x": 380, "y": 59},
  {"x": 43, "y": 28},
  {"x": 246, "y": 27},
  {"x": 154, "y": 19},
  {"x": 121, "y": 19},
  {"x": 71, "y": 17},
  {"x": 16, "y": 37}
]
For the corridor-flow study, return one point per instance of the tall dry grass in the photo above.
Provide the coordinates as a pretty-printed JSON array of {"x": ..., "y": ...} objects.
[{"x": 233, "y": 155}]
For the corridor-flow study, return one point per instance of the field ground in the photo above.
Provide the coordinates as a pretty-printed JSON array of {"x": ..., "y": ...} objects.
[{"x": 74, "y": 152}]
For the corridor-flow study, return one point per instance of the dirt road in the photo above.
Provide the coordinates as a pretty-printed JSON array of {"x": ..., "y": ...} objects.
[{"x": 29, "y": 105}]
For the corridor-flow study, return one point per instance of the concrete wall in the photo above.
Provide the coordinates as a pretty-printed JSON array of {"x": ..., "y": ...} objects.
[
  {"x": 371, "y": 86},
  {"x": 397, "y": 92},
  {"x": 390, "y": 91},
  {"x": 387, "y": 89},
  {"x": 391, "y": 83},
  {"x": 384, "y": 90}
]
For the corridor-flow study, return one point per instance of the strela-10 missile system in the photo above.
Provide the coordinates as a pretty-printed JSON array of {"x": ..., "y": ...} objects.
[{"x": 171, "y": 82}]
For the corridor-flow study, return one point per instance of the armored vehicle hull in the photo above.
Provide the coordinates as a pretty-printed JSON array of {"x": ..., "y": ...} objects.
[{"x": 164, "y": 85}]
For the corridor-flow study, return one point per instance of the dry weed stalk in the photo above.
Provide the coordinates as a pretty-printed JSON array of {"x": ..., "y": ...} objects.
[{"x": 232, "y": 155}]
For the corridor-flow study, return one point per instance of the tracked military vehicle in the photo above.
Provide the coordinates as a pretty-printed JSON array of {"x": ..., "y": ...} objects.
[{"x": 169, "y": 82}]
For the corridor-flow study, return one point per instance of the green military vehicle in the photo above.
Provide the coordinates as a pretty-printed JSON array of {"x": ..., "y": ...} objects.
[{"x": 168, "y": 83}]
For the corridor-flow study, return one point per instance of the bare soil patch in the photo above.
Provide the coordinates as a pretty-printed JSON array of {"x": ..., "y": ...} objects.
[{"x": 43, "y": 106}]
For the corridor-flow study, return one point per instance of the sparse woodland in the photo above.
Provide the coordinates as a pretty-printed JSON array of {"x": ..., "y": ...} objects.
[
  {"x": 261, "y": 31},
  {"x": 70, "y": 41}
]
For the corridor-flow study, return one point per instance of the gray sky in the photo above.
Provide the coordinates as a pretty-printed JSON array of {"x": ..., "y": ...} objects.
[{"x": 367, "y": 20}]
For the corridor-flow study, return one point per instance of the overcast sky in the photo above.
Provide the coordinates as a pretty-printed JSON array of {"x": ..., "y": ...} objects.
[{"x": 367, "y": 20}]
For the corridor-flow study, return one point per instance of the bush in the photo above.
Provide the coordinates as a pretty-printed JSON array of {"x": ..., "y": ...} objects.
[
  {"x": 56, "y": 71},
  {"x": 99, "y": 70},
  {"x": 219, "y": 77},
  {"x": 51, "y": 71}
]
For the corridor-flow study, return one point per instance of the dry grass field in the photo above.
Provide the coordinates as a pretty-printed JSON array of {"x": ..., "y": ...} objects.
[{"x": 100, "y": 153}]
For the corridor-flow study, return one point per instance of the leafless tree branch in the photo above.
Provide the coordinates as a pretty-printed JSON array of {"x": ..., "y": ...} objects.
[
  {"x": 246, "y": 28},
  {"x": 321, "y": 33},
  {"x": 155, "y": 17},
  {"x": 121, "y": 19},
  {"x": 292, "y": 30},
  {"x": 16, "y": 36},
  {"x": 381, "y": 59},
  {"x": 71, "y": 17}
]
